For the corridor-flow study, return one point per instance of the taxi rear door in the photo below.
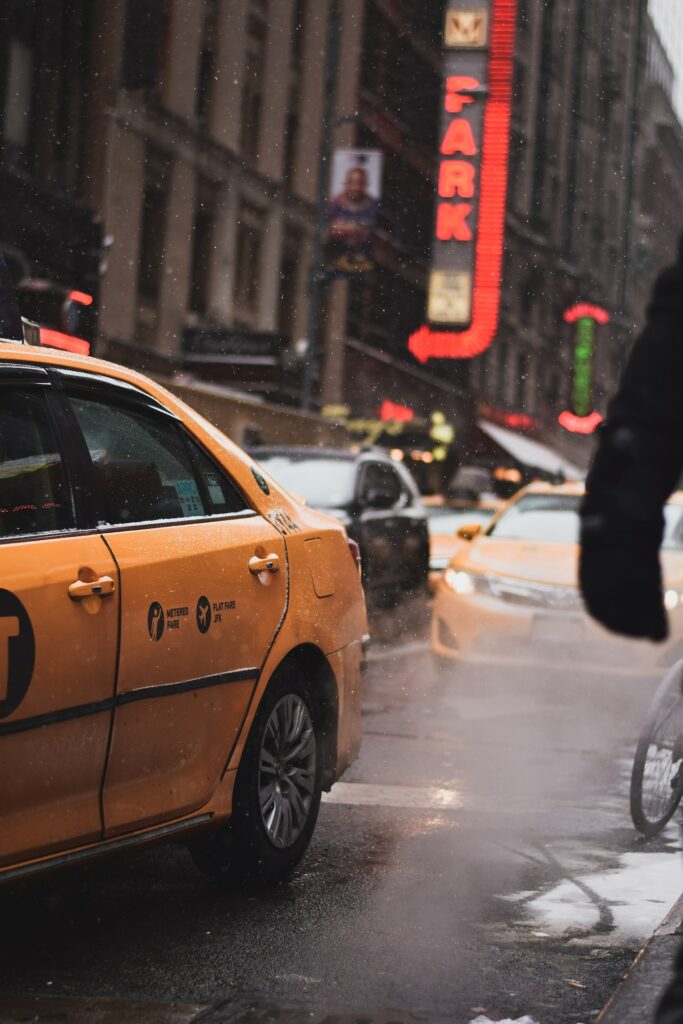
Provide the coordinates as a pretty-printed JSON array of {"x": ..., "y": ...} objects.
[
  {"x": 58, "y": 632},
  {"x": 203, "y": 582}
]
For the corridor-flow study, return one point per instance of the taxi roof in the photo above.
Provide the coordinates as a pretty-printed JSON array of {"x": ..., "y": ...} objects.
[
  {"x": 42, "y": 355},
  {"x": 577, "y": 488}
]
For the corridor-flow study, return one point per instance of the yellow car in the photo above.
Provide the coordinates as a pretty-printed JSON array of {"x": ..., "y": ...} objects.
[
  {"x": 444, "y": 518},
  {"x": 180, "y": 640},
  {"x": 510, "y": 594}
]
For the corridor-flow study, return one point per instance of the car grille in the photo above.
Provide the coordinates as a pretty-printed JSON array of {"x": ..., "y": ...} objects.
[{"x": 536, "y": 595}]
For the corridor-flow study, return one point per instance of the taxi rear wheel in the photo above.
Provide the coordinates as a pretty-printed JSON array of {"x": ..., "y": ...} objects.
[{"x": 277, "y": 792}]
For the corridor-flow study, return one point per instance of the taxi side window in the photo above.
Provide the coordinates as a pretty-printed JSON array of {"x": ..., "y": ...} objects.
[
  {"x": 144, "y": 469},
  {"x": 34, "y": 496},
  {"x": 220, "y": 494}
]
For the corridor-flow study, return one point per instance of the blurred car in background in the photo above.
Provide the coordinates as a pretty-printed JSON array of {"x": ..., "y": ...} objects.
[
  {"x": 444, "y": 518},
  {"x": 510, "y": 595},
  {"x": 377, "y": 501}
]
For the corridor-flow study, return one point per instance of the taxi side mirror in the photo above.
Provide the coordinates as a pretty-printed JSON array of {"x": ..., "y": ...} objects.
[{"x": 468, "y": 531}]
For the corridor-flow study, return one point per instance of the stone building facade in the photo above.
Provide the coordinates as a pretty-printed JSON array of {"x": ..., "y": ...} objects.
[
  {"x": 571, "y": 194},
  {"x": 186, "y": 133},
  {"x": 49, "y": 236},
  {"x": 659, "y": 223}
]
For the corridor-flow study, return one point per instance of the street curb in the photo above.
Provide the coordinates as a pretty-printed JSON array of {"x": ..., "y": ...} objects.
[{"x": 635, "y": 998}]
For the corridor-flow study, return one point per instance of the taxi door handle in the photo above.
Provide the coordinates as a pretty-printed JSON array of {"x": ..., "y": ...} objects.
[
  {"x": 101, "y": 587},
  {"x": 271, "y": 563}
]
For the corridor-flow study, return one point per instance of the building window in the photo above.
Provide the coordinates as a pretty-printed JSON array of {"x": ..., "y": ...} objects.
[
  {"x": 521, "y": 382},
  {"x": 295, "y": 64},
  {"x": 202, "y": 248},
  {"x": 501, "y": 377},
  {"x": 42, "y": 94},
  {"x": 207, "y": 62},
  {"x": 252, "y": 87},
  {"x": 289, "y": 280},
  {"x": 543, "y": 149},
  {"x": 249, "y": 251},
  {"x": 153, "y": 231},
  {"x": 19, "y": 95}
]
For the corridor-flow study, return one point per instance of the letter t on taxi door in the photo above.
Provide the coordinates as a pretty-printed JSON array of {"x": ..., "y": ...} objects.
[{"x": 9, "y": 627}]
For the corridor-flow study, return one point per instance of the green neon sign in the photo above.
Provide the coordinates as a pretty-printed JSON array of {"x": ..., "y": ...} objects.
[{"x": 583, "y": 366}]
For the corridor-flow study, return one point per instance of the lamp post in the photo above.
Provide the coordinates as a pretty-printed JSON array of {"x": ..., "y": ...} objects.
[{"x": 318, "y": 273}]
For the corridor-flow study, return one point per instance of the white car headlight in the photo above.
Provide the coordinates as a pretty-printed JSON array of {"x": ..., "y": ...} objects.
[{"x": 459, "y": 581}]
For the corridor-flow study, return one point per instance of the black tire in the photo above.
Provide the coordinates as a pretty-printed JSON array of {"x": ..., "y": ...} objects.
[
  {"x": 258, "y": 846},
  {"x": 657, "y": 774}
]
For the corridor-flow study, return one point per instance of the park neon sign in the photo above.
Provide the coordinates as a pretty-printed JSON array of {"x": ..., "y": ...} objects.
[
  {"x": 467, "y": 250},
  {"x": 582, "y": 418}
]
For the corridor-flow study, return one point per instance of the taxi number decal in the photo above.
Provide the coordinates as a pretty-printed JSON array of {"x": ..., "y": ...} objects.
[
  {"x": 188, "y": 496},
  {"x": 283, "y": 522},
  {"x": 17, "y": 652}
]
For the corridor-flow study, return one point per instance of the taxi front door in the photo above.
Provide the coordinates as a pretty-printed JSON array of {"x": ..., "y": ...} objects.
[
  {"x": 196, "y": 625},
  {"x": 58, "y": 638}
]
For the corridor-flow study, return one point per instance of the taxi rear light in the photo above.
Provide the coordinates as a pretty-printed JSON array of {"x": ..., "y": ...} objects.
[{"x": 355, "y": 551}]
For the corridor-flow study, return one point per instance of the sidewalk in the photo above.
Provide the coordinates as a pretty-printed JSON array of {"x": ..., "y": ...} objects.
[{"x": 635, "y": 998}]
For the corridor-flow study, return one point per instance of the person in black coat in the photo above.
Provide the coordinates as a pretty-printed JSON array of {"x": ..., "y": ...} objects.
[
  {"x": 636, "y": 466},
  {"x": 10, "y": 317}
]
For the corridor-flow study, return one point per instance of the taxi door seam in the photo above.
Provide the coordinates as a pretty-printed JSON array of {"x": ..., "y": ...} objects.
[
  {"x": 278, "y": 628},
  {"x": 110, "y": 736}
]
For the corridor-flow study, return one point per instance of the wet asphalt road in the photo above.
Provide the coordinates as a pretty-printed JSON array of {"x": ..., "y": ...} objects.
[{"x": 458, "y": 869}]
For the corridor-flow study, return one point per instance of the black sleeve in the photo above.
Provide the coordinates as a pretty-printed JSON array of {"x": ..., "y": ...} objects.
[
  {"x": 637, "y": 465},
  {"x": 10, "y": 317}
]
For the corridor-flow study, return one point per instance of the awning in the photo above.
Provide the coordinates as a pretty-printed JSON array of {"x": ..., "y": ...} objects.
[{"x": 531, "y": 453}]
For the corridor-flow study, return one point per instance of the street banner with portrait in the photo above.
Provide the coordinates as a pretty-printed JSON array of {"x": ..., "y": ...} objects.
[{"x": 355, "y": 194}]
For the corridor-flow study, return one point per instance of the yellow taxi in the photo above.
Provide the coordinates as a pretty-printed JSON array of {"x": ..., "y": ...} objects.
[
  {"x": 181, "y": 641},
  {"x": 510, "y": 594},
  {"x": 444, "y": 519}
]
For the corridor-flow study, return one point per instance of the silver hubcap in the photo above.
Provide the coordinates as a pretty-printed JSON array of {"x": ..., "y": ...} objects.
[{"x": 287, "y": 771}]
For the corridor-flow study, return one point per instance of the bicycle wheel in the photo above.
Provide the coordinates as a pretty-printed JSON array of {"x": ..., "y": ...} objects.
[{"x": 657, "y": 775}]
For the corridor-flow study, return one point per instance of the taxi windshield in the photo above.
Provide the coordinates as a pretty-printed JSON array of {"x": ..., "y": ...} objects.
[
  {"x": 541, "y": 517},
  {"x": 443, "y": 521},
  {"x": 554, "y": 518}
]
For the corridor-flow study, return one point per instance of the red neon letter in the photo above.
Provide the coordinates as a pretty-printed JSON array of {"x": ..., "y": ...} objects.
[
  {"x": 459, "y": 139},
  {"x": 451, "y": 222},
  {"x": 456, "y": 178},
  {"x": 454, "y": 101}
]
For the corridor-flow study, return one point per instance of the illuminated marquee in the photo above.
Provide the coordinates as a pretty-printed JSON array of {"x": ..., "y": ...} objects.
[
  {"x": 464, "y": 287},
  {"x": 582, "y": 418}
]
